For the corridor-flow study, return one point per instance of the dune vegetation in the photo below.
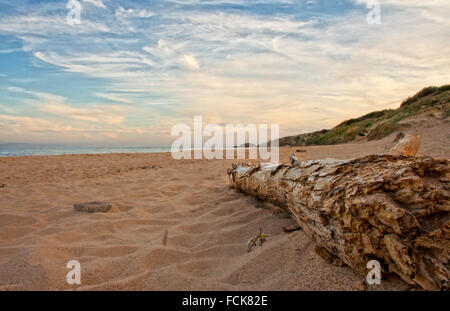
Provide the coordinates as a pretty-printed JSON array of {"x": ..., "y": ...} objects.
[{"x": 378, "y": 124}]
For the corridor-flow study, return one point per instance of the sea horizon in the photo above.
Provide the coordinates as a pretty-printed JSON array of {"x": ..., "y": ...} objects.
[{"x": 29, "y": 149}]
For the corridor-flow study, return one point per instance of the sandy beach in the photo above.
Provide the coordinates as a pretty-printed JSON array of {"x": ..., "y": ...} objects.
[{"x": 173, "y": 225}]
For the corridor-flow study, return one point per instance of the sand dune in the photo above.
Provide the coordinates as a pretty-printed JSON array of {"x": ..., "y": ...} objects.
[{"x": 208, "y": 225}]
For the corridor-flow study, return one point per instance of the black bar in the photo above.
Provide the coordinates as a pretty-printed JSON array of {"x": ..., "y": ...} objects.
[{"x": 230, "y": 300}]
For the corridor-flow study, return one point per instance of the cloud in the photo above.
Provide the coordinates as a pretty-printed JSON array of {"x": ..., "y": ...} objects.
[
  {"x": 27, "y": 125},
  {"x": 162, "y": 50},
  {"x": 144, "y": 13},
  {"x": 122, "y": 64},
  {"x": 280, "y": 67},
  {"x": 190, "y": 62},
  {"x": 302, "y": 70},
  {"x": 409, "y": 3},
  {"x": 228, "y": 2},
  {"x": 94, "y": 113},
  {"x": 27, "y": 25},
  {"x": 45, "y": 97},
  {"x": 56, "y": 105},
  {"x": 98, "y": 3},
  {"x": 112, "y": 97}
]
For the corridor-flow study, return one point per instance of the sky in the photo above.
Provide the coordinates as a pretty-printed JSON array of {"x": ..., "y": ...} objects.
[{"x": 131, "y": 70}]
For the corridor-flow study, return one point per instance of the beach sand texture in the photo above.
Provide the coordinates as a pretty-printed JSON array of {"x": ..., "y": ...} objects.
[{"x": 173, "y": 225}]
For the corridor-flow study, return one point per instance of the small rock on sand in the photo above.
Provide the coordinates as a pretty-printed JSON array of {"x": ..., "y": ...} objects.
[{"x": 92, "y": 207}]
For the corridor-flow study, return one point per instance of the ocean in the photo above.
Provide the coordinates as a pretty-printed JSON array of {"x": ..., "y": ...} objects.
[{"x": 9, "y": 150}]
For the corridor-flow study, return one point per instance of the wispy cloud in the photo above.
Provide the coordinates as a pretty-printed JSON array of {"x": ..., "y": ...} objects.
[
  {"x": 112, "y": 97},
  {"x": 56, "y": 105},
  {"x": 98, "y": 3},
  {"x": 162, "y": 62},
  {"x": 94, "y": 113},
  {"x": 47, "y": 26},
  {"x": 143, "y": 13}
]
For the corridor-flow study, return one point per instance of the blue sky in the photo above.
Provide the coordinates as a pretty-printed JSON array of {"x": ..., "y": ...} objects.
[{"x": 133, "y": 69}]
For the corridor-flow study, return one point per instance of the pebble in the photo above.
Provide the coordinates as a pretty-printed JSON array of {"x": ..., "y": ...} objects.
[{"x": 92, "y": 207}]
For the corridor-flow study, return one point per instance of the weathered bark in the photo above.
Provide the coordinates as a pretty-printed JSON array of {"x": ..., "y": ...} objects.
[{"x": 394, "y": 209}]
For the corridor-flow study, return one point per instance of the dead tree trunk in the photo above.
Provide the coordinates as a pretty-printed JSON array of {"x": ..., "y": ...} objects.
[{"x": 395, "y": 209}]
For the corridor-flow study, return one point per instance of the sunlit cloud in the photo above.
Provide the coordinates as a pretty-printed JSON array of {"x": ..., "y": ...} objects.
[
  {"x": 112, "y": 97},
  {"x": 151, "y": 66},
  {"x": 190, "y": 62}
]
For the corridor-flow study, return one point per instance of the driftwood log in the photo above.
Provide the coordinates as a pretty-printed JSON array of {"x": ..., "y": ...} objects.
[{"x": 394, "y": 209}]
